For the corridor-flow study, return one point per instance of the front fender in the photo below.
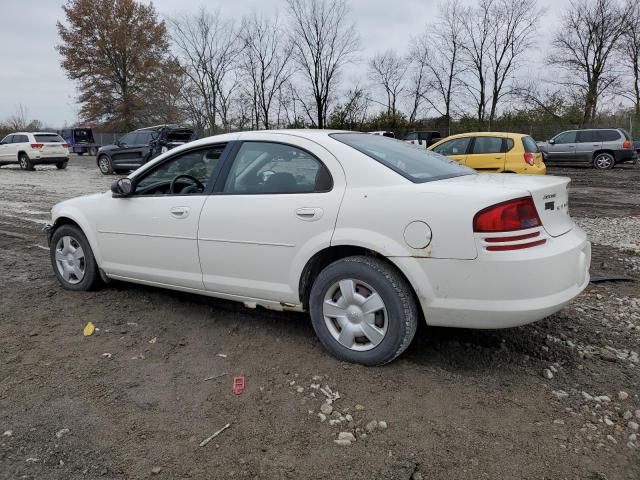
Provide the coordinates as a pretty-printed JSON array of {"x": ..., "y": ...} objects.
[{"x": 61, "y": 214}]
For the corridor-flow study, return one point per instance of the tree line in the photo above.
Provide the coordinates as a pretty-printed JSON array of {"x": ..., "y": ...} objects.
[{"x": 471, "y": 65}]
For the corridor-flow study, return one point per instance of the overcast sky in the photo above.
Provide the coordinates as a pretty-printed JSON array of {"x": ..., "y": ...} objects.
[{"x": 30, "y": 72}]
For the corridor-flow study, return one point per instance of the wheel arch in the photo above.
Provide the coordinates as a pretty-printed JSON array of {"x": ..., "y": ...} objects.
[
  {"x": 328, "y": 255},
  {"x": 68, "y": 217},
  {"x": 603, "y": 150}
]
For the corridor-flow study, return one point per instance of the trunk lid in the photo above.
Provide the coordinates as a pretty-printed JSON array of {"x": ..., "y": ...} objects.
[{"x": 549, "y": 193}]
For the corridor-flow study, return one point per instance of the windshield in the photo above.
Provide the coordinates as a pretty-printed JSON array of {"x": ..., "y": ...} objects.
[
  {"x": 48, "y": 138},
  {"x": 416, "y": 164}
]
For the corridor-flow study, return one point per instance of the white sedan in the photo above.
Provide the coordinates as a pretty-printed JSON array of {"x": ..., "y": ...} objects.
[{"x": 369, "y": 234}]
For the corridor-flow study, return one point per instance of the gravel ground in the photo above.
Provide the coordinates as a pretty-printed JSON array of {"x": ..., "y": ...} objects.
[{"x": 556, "y": 399}]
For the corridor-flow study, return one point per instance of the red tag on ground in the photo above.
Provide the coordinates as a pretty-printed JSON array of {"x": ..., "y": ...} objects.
[{"x": 238, "y": 385}]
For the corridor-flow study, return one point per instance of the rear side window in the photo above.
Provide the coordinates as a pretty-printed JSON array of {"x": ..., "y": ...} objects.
[
  {"x": 609, "y": 135},
  {"x": 586, "y": 136},
  {"x": 457, "y": 146},
  {"x": 20, "y": 139},
  {"x": 487, "y": 145},
  {"x": 142, "y": 138},
  {"x": 48, "y": 138},
  {"x": 507, "y": 144},
  {"x": 529, "y": 144},
  {"x": 625, "y": 134},
  {"x": 414, "y": 163},
  {"x": 411, "y": 136},
  {"x": 276, "y": 168}
]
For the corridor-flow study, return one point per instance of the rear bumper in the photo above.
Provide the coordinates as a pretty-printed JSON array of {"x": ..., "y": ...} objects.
[
  {"x": 501, "y": 289},
  {"x": 43, "y": 159},
  {"x": 623, "y": 156}
]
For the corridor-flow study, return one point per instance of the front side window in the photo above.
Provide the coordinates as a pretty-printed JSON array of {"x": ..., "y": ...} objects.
[
  {"x": 457, "y": 146},
  {"x": 128, "y": 139},
  {"x": 565, "y": 137},
  {"x": 262, "y": 167},
  {"x": 7, "y": 139},
  {"x": 415, "y": 164},
  {"x": 487, "y": 145},
  {"x": 186, "y": 173}
]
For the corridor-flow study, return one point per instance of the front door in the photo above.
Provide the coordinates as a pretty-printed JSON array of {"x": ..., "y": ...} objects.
[
  {"x": 151, "y": 235},
  {"x": 7, "y": 150},
  {"x": 563, "y": 149},
  {"x": 456, "y": 149},
  {"x": 278, "y": 205},
  {"x": 487, "y": 154}
]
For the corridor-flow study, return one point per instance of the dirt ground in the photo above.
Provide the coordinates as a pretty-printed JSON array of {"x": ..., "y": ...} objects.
[{"x": 134, "y": 400}]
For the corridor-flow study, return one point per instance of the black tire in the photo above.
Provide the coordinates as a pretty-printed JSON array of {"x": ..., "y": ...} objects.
[
  {"x": 91, "y": 279},
  {"x": 603, "y": 161},
  {"x": 61, "y": 165},
  {"x": 25, "y": 162},
  {"x": 93, "y": 151},
  {"x": 399, "y": 302},
  {"x": 105, "y": 165},
  {"x": 80, "y": 153}
]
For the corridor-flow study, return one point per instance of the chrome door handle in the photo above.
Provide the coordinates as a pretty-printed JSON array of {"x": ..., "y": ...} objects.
[
  {"x": 309, "y": 213},
  {"x": 179, "y": 212}
]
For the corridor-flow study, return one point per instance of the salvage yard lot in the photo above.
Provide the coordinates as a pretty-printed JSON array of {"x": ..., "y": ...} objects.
[{"x": 133, "y": 400}]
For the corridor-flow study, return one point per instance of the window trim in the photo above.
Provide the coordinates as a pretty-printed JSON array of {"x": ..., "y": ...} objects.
[
  {"x": 218, "y": 188},
  {"x": 210, "y": 183}
]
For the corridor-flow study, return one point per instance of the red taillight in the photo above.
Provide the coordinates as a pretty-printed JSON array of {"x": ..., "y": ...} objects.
[
  {"x": 65, "y": 145},
  {"x": 37, "y": 146},
  {"x": 626, "y": 144},
  {"x": 528, "y": 157},
  {"x": 517, "y": 214}
]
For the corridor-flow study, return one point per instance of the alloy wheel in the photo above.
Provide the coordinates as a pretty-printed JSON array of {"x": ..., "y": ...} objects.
[
  {"x": 603, "y": 161},
  {"x": 355, "y": 315}
]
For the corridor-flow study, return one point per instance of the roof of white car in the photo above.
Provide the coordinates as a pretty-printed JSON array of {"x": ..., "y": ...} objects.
[{"x": 33, "y": 133}]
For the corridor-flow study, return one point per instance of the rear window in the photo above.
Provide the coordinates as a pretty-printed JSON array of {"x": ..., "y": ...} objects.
[
  {"x": 609, "y": 135},
  {"x": 529, "y": 144},
  {"x": 625, "y": 134},
  {"x": 413, "y": 163},
  {"x": 48, "y": 138}
]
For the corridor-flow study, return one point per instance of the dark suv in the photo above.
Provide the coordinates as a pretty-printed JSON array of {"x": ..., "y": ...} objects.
[
  {"x": 138, "y": 147},
  {"x": 600, "y": 147}
]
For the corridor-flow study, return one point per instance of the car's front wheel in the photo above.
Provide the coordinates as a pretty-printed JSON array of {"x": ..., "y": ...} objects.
[
  {"x": 72, "y": 259},
  {"x": 61, "y": 165},
  {"x": 604, "y": 161},
  {"x": 25, "y": 162},
  {"x": 105, "y": 165},
  {"x": 363, "y": 310}
]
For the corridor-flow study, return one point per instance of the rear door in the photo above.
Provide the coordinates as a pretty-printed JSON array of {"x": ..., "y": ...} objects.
[
  {"x": 276, "y": 205},
  {"x": 487, "y": 154},
  {"x": 455, "y": 149},
  {"x": 587, "y": 142}
]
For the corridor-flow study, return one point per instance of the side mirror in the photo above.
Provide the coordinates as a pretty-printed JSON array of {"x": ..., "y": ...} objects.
[
  {"x": 123, "y": 187},
  {"x": 551, "y": 142}
]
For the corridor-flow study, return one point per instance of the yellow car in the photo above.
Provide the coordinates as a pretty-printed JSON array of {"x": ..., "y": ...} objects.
[{"x": 493, "y": 152}]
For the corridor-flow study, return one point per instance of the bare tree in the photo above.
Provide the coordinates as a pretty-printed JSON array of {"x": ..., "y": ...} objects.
[
  {"x": 266, "y": 62},
  {"x": 324, "y": 41},
  {"x": 443, "y": 68},
  {"x": 584, "y": 46},
  {"x": 630, "y": 50},
  {"x": 352, "y": 114},
  {"x": 208, "y": 48},
  {"x": 388, "y": 70}
]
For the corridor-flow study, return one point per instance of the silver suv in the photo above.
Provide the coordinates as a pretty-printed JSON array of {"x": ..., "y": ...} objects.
[{"x": 600, "y": 147}]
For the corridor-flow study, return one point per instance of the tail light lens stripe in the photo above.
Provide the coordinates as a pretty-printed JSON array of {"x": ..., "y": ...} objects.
[
  {"x": 517, "y": 246},
  {"x": 512, "y": 239}
]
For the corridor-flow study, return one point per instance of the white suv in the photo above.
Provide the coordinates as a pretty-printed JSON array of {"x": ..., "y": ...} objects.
[{"x": 29, "y": 149}]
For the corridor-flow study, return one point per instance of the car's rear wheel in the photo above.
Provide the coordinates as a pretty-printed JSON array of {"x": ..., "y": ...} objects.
[
  {"x": 61, "y": 165},
  {"x": 105, "y": 165},
  {"x": 603, "y": 161},
  {"x": 93, "y": 151},
  {"x": 25, "y": 162},
  {"x": 363, "y": 310},
  {"x": 72, "y": 259}
]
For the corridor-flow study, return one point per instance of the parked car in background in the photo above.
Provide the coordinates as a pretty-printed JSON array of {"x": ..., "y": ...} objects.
[
  {"x": 80, "y": 140},
  {"x": 423, "y": 138},
  {"x": 367, "y": 233},
  {"x": 138, "y": 147},
  {"x": 384, "y": 133},
  {"x": 34, "y": 148},
  {"x": 602, "y": 148},
  {"x": 636, "y": 147},
  {"x": 496, "y": 152}
]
